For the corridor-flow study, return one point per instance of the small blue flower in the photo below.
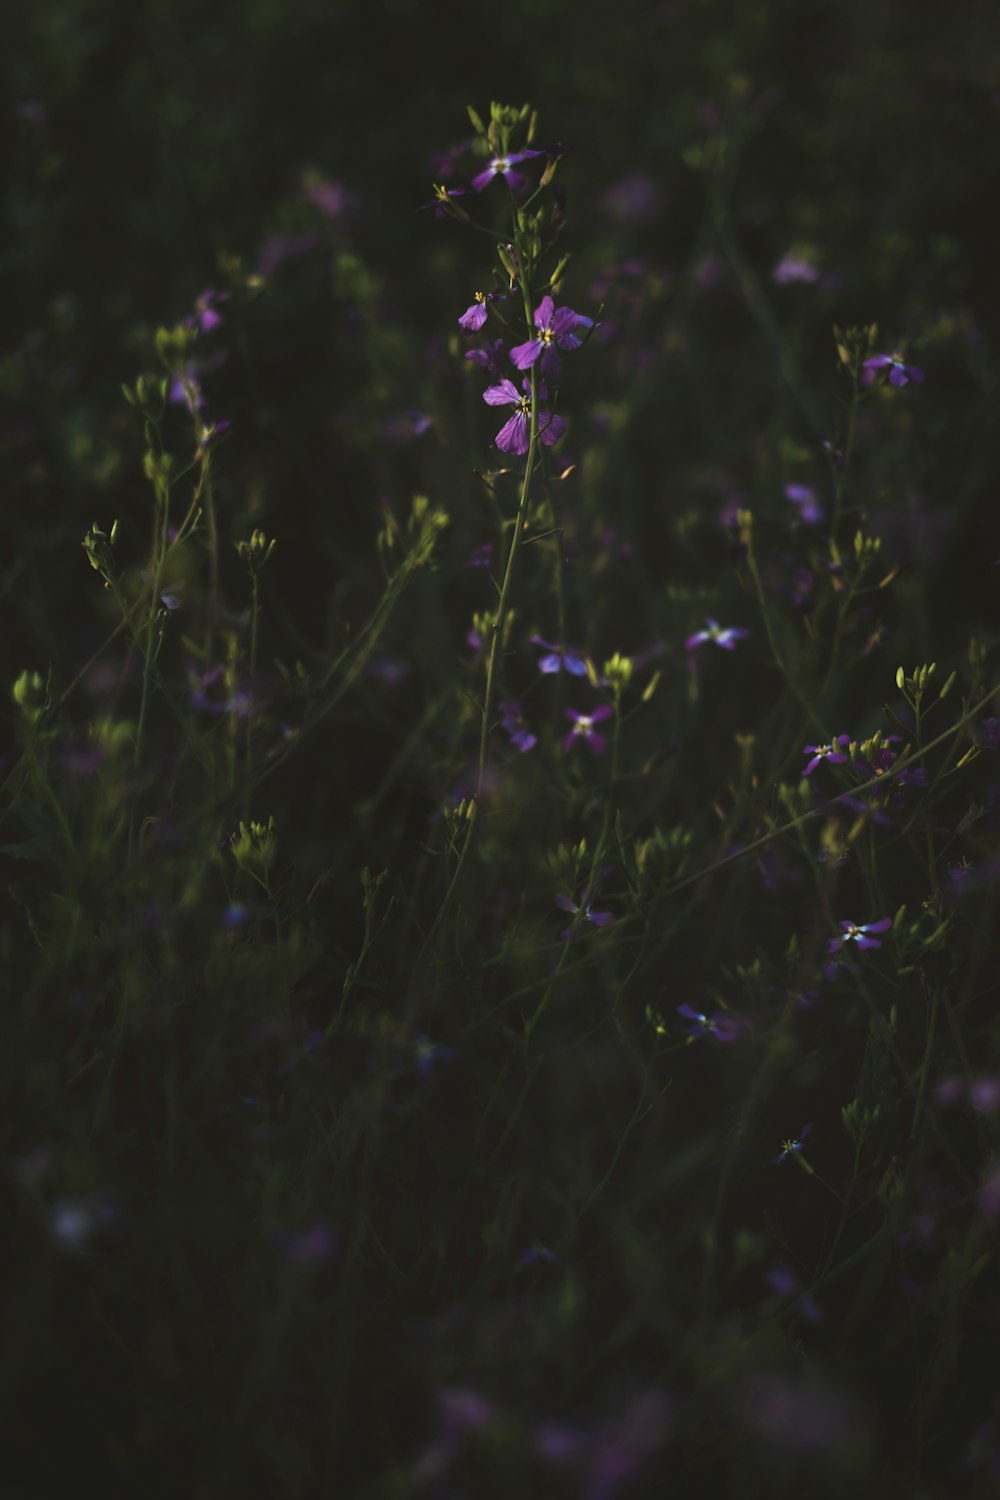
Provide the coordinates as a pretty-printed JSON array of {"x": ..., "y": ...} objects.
[{"x": 792, "y": 1145}]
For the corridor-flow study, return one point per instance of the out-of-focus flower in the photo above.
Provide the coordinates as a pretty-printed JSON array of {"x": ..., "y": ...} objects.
[
  {"x": 782, "y": 1279},
  {"x": 792, "y": 1146},
  {"x": 598, "y": 918},
  {"x": 559, "y": 659},
  {"x": 860, "y": 934},
  {"x": 726, "y": 638},
  {"x": 491, "y": 357},
  {"x": 513, "y": 724},
  {"x": 804, "y": 496},
  {"x": 503, "y": 166},
  {"x": 720, "y": 1026},
  {"x": 583, "y": 728},
  {"x": 899, "y": 374},
  {"x": 794, "y": 268}
]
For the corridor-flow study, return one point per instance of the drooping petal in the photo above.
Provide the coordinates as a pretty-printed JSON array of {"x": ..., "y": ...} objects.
[
  {"x": 513, "y": 435},
  {"x": 550, "y": 428},
  {"x": 525, "y": 355},
  {"x": 474, "y": 317}
]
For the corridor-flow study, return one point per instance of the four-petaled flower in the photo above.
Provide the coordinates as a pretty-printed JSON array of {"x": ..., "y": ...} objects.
[
  {"x": 559, "y": 658},
  {"x": 503, "y": 166},
  {"x": 514, "y": 436},
  {"x": 717, "y": 635},
  {"x": 475, "y": 315},
  {"x": 723, "y": 1028},
  {"x": 899, "y": 374},
  {"x": 555, "y": 331},
  {"x": 598, "y": 918},
  {"x": 859, "y": 933},
  {"x": 512, "y": 723},
  {"x": 792, "y": 1145},
  {"x": 826, "y": 752},
  {"x": 583, "y": 728}
]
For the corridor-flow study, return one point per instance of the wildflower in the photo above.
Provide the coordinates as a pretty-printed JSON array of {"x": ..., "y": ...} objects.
[
  {"x": 559, "y": 658},
  {"x": 443, "y": 205},
  {"x": 583, "y": 728},
  {"x": 725, "y": 638},
  {"x": 490, "y": 357},
  {"x": 205, "y": 315},
  {"x": 723, "y": 1028},
  {"x": 503, "y": 166},
  {"x": 881, "y": 763},
  {"x": 794, "y": 268},
  {"x": 475, "y": 315},
  {"x": 782, "y": 1279},
  {"x": 826, "y": 752},
  {"x": 513, "y": 724},
  {"x": 793, "y": 1145},
  {"x": 555, "y": 331},
  {"x": 855, "y": 932},
  {"x": 899, "y": 374},
  {"x": 514, "y": 436},
  {"x": 598, "y": 918},
  {"x": 804, "y": 496}
]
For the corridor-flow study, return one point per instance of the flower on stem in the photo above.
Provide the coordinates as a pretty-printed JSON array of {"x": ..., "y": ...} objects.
[
  {"x": 723, "y": 1028},
  {"x": 598, "y": 918},
  {"x": 717, "y": 635},
  {"x": 899, "y": 374},
  {"x": 514, "y": 436},
  {"x": 792, "y": 1146},
  {"x": 583, "y": 728},
  {"x": 475, "y": 315},
  {"x": 829, "y": 752},
  {"x": 503, "y": 166},
  {"x": 881, "y": 761},
  {"x": 559, "y": 658},
  {"x": 513, "y": 724},
  {"x": 859, "y": 933},
  {"x": 555, "y": 331}
]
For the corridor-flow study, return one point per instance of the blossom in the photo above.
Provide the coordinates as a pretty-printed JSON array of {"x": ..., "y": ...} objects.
[
  {"x": 514, "y": 436},
  {"x": 205, "y": 315},
  {"x": 490, "y": 356},
  {"x": 859, "y": 932},
  {"x": 502, "y": 166},
  {"x": 782, "y": 1279},
  {"x": 723, "y": 1028},
  {"x": 882, "y": 761},
  {"x": 794, "y": 268},
  {"x": 899, "y": 374},
  {"x": 826, "y": 752},
  {"x": 475, "y": 314},
  {"x": 559, "y": 658},
  {"x": 598, "y": 918},
  {"x": 512, "y": 723},
  {"x": 555, "y": 330},
  {"x": 804, "y": 496},
  {"x": 793, "y": 1145},
  {"x": 583, "y": 728},
  {"x": 725, "y": 638}
]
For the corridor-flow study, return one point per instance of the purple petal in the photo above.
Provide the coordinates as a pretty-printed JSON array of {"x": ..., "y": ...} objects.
[
  {"x": 525, "y": 355},
  {"x": 597, "y": 743},
  {"x": 881, "y": 926},
  {"x": 544, "y": 312},
  {"x": 513, "y": 156},
  {"x": 483, "y": 180},
  {"x": 513, "y": 435},
  {"x": 503, "y": 394},
  {"x": 564, "y": 903},
  {"x": 550, "y": 428},
  {"x": 474, "y": 317},
  {"x": 898, "y": 375},
  {"x": 604, "y": 711}
]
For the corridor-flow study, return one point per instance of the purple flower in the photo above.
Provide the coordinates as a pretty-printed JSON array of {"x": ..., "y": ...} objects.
[
  {"x": 725, "y": 638},
  {"x": 804, "y": 496},
  {"x": 559, "y": 658},
  {"x": 555, "y": 331},
  {"x": 475, "y": 316},
  {"x": 826, "y": 752},
  {"x": 723, "y": 1028},
  {"x": 858, "y": 932},
  {"x": 512, "y": 723},
  {"x": 514, "y": 435},
  {"x": 782, "y": 1279},
  {"x": 598, "y": 918},
  {"x": 205, "y": 315},
  {"x": 583, "y": 728},
  {"x": 502, "y": 166},
  {"x": 609, "y": 1456},
  {"x": 330, "y": 197},
  {"x": 794, "y": 268},
  {"x": 792, "y": 1145},
  {"x": 882, "y": 762},
  {"x": 490, "y": 356},
  {"x": 899, "y": 374}
]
